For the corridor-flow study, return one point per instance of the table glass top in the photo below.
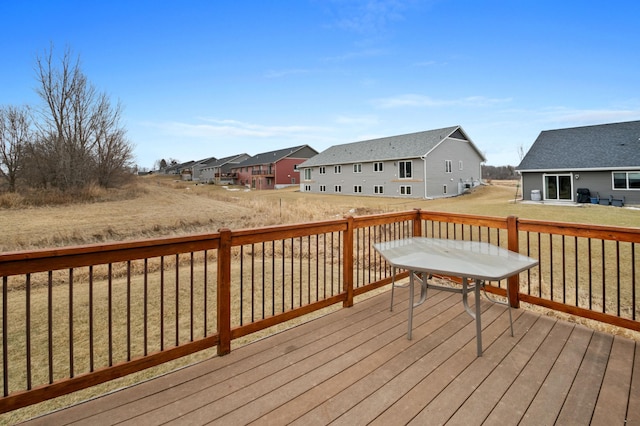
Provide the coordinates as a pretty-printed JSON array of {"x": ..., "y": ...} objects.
[{"x": 471, "y": 259}]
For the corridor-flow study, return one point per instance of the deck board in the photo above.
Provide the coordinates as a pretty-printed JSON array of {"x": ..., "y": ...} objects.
[{"x": 356, "y": 366}]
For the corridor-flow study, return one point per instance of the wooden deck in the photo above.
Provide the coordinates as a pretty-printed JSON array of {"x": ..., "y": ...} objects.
[{"x": 356, "y": 366}]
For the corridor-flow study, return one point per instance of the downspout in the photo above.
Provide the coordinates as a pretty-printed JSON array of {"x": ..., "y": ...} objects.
[{"x": 424, "y": 177}]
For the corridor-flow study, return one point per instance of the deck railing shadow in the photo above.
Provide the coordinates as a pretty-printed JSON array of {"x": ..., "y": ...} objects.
[{"x": 79, "y": 316}]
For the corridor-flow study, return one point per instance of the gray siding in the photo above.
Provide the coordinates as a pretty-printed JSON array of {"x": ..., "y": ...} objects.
[
  {"x": 597, "y": 182},
  {"x": 428, "y": 177},
  {"x": 456, "y": 151},
  {"x": 367, "y": 179}
]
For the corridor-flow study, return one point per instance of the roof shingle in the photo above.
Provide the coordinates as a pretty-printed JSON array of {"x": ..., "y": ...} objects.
[{"x": 614, "y": 145}]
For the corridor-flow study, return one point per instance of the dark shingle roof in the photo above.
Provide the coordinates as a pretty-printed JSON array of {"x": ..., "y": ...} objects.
[
  {"x": 271, "y": 156},
  {"x": 222, "y": 161},
  {"x": 412, "y": 145},
  {"x": 605, "y": 146}
]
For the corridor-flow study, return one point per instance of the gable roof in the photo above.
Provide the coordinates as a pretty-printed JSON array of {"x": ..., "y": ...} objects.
[
  {"x": 272, "y": 156},
  {"x": 205, "y": 162},
  {"x": 412, "y": 145},
  {"x": 222, "y": 161},
  {"x": 604, "y": 146}
]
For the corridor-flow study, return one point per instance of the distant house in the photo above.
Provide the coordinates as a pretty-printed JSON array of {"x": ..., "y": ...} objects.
[
  {"x": 218, "y": 171},
  {"x": 199, "y": 166},
  {"x": 273, "y": 169},
  {"x": 182, "y": 169},
  {"x": 603, "y": 159},
  {"x": 431, "y": 164}
]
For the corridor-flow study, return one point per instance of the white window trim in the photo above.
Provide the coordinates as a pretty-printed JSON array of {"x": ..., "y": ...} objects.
[
  {"x": 626, "y": 188},
  {"x": 448, "y": 166},
  {"x": 400, "y": 168}
]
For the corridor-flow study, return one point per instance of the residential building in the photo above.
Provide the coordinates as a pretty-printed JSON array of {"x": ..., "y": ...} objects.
[
  {"x": 603, "y": 159},
  {"x": 273, "y": 169},
  {"x": 430, "y": 164},
  {"x": 219, "y": 172}
]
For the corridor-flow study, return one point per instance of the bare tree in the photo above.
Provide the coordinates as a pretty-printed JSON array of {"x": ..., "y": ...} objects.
[
  {"x": 15, "y": 135},
  {"x": 80, "y": 131},
  {"x": 112, "y": 151}
]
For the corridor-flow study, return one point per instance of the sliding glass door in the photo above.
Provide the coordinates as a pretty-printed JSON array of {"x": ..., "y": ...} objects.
[{"x": 558, "y": 187}]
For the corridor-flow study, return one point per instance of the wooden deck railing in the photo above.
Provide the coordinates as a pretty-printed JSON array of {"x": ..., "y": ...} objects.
[{"x": 79, "y": 316}]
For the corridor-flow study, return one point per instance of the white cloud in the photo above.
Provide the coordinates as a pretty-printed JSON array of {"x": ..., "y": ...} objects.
[
  {"x": 225, "y": 128},
  {"x": 421, "y": 101},
  {"x": 577, "y": 117},
  {"x": 369, "y": 16}
]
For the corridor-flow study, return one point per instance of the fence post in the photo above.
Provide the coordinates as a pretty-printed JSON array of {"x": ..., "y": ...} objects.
[
  {"x": 513, "y": 244},
  {"x": 347, "y": 261},
  {"x": 224, "y": 292},
  {"x": 417, "y": 224}
]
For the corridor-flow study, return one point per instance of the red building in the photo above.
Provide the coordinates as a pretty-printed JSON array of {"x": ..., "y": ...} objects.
[{"x": 273, "y": 169}]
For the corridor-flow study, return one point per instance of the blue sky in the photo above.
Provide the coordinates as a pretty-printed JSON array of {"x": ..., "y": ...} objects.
[{"x": 216, "y": 78}]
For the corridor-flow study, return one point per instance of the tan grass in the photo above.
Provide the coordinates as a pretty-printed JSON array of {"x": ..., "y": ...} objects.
[{"x": 161, "y": 205}]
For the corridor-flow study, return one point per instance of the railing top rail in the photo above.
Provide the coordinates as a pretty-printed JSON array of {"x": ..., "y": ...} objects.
[
  {"x": 467, "y": 219},
  {"x": 384, "y": 218},
  {"x": 280, "y": 232},
  {"x": 23, "y": 262},
  {"x": 604, "y": 232}
]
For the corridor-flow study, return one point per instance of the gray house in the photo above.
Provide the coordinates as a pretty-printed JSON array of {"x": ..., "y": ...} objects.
[
  {"x": 584, "y": 164},
  {"x": 430, "y": 164},
  {"x": 218, "y": 171},
  {"x": 198, "y": 166}
]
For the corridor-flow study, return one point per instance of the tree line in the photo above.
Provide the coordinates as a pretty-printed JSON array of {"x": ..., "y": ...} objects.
[
  {"x": 74, "y": 138},
  {"x": 499, "y": 172}
]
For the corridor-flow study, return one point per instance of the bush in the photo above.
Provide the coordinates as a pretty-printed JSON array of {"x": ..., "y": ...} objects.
[{"x": 11, "y": 200}]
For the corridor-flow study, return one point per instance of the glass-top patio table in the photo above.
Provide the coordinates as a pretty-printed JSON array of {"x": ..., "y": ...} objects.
[{"x": 474, "y": 260}]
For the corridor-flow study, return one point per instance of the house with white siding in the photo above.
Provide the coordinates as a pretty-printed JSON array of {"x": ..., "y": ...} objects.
[{"x": 430, "y": 164}]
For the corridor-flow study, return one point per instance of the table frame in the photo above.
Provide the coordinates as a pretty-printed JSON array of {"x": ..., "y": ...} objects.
[{"x": 423, "y": 273}]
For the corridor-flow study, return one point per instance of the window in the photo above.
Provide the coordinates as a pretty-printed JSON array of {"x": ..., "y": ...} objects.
[
  {"x": 460, "y": 165},
  {"x": 337, "y": 188},
  {"x": 447, "y": 166},
  {"x": 404, "y": 169},
  {"x": 323, "y": 188},
  {"x": 307, "y": 188},
  {"x": 307, "y": 174},
  {"x": 322, "y": 170},
  {"x": 378, "y": 166},
  {"x": 626, "y": 180},
  {"x": 357, "y": 189},
  {"x": 378, "y": 189},
  {"x": 405, "y": 189},
  {"x": 337, "y": 169},
  {"x": 357, "y": 168},
  {"x": 444, "y": 189}
]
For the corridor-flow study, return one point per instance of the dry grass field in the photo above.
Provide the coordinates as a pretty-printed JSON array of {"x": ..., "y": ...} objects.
[
  {"x": 157, "y": 206},
  {"x": 163, "y": 206}
]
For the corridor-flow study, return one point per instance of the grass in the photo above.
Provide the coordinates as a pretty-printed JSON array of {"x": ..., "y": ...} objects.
[{"x": 160, "y": 206}]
